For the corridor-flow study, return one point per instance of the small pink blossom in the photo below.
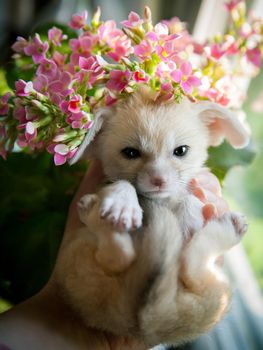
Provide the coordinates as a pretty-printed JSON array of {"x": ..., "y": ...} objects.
[
  {"x": 215, "y": 51},
  {"x": 231, "y": 5},
  {"x": 40, "y": 83},
  {"x": 61, "y": 153},
  {"x": 184, "y": 77},
  {"x": 81, "y": 47},
  {"x": 134, "y": 21},
  {"x": 119, "y": 43},
  {"x": 121, "y": 48},
  {"x": 109, "y": 100},
  {"x": 80, "y": 120},
  {"x": 73, "y": 105},
  {"x": 55, "y": 35},
  {"x": 254, "y": 56},
  {"x": 23, "y": 88},
  {"x": 30, "y": 131},
  {"x": 174, "y": 25},
  {"x": 164, "y": 69},
  {"x": 168, "y": 48},
  {"x": 20, "y": 44},
  {"x": 144, "y": 50},
  {"x": 60, "y": 85},
  {"x": 20, "y": 114},
  {"x": 78, "y": 21},
  {"x": 59, "y": 59},
  {"x": 140, "y": 77},
  {"x": 37, "y": 49},
  {"x": 118, "y": 80},
  {"x": 216, "y": 96},
  {"x": 89, "y": 67},
  {"x": 109, "y": 32},
  {"x": 4, "y": 103},
  {"x": 47, "y": 67},
  {"x": 166, "y": 92},
  {"x": 161, "y": 29}
]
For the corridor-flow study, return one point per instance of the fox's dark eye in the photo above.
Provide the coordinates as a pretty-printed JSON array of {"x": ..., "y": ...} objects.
[
  {"x": 131, "y": 153},
  {"x": 181, "y": 151}
]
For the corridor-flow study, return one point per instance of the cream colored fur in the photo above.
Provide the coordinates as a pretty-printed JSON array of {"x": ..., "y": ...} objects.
[{"x": 140, "y": 266}]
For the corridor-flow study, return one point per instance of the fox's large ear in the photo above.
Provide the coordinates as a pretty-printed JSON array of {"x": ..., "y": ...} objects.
[
  {"x": 99, "y": 118},
  {"x": 223, "y": 123}
]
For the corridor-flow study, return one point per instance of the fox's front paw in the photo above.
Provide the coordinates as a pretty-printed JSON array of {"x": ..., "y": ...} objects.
[
  {"x": 236, "y": 226},
  {"x": 122, "y": 212},
  {"x": 240, "y": 223},
  {"x": 84, "y": 206}
]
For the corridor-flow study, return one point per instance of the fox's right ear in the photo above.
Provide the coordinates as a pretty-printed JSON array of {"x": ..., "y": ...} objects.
[{"x": 98, "y": 121}]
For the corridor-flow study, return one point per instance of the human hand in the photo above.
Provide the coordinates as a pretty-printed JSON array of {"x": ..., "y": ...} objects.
[
  {"x": 206, "y": 187},
  {"x": 95, "y": 339}
]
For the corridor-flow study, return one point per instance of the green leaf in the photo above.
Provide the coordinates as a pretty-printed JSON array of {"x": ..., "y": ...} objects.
[
  {"x": 15, "y": 71},
  {"x": 224, "y": 157},
  {"x": 35, "y": 195}
]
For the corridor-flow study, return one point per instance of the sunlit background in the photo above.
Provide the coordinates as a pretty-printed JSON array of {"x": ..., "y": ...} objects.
[{"x": 26, "y": 258}]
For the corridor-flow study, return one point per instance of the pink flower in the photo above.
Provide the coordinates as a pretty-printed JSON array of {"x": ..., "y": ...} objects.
[
  {"x": 254, "y": 56},
  {"x": 184, "y": 77},
  {"x": 20, "y": 44},
  {"x": 108, "y": 32},
  {"x": 215, "y": 51},
  {"x": 216, "y": 96},
  {"x": 37, "y": 49},
  {"x": 78, "y": 21},
  {"x": 144, "y": 50},
  {"x": 47, "y": 68},
  {"x": 60, "y": 85},
  {"x": 118, "y": 80},
  {"x": 121, "y": 48},
  {"x": 80, "y": 120},
  {"x": 23, "y": 88},
  {"x": 174, "y": 25},
  {"x": 30, "y": 131},
  {"x": 81, "y": 47},
  {"x": 4, "y": 103},
  {"x": 167, "y": 49},
  {"x": 41, "y": 84},
  {"x": 20, "y": 114},
  {"x": 231, "y": 5},
  {"x": 164, "y": 69},
  {"x": 55, "y": 35},
  {"x": 161, "y": 29},
  {"x": 73, "y": 105},
  {"x": 90, "y": 69},
  {"x": 140, "y": 77},
  {"x": 61, "y": 153},
  {"x": 59, "y": 59},
  {"x": 166, "y": 92},
  {"x": 134, "y": 21},
  {"x": 109, "y": 100}
]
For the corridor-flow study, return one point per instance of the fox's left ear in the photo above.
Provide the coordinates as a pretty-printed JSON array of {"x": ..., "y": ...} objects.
[
  {"x": 222, "y": 123},
  {"x": 87, "y": 143}
]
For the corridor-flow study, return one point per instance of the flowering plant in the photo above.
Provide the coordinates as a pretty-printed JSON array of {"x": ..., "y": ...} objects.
[{"x": 72, "y": 77}]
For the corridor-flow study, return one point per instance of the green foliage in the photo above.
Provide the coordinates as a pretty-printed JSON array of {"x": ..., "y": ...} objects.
[
  {"x": 254, "y": 247},
  {"x": 224, "y": 157},
  {"x": 35, "y": 196}
]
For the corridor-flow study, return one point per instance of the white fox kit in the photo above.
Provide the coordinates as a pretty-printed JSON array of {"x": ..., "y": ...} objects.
[{"x": 140, "y": 265}]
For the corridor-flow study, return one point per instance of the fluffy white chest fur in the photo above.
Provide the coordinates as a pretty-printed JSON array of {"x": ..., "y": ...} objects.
[{"x": 133, "y": 269}]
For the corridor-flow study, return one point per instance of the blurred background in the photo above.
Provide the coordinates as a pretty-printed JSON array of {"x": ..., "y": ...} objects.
[{"x": 35, "y": 194}]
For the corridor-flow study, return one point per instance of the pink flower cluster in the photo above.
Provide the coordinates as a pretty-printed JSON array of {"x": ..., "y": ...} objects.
[{"x": 102, "y": 64}]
